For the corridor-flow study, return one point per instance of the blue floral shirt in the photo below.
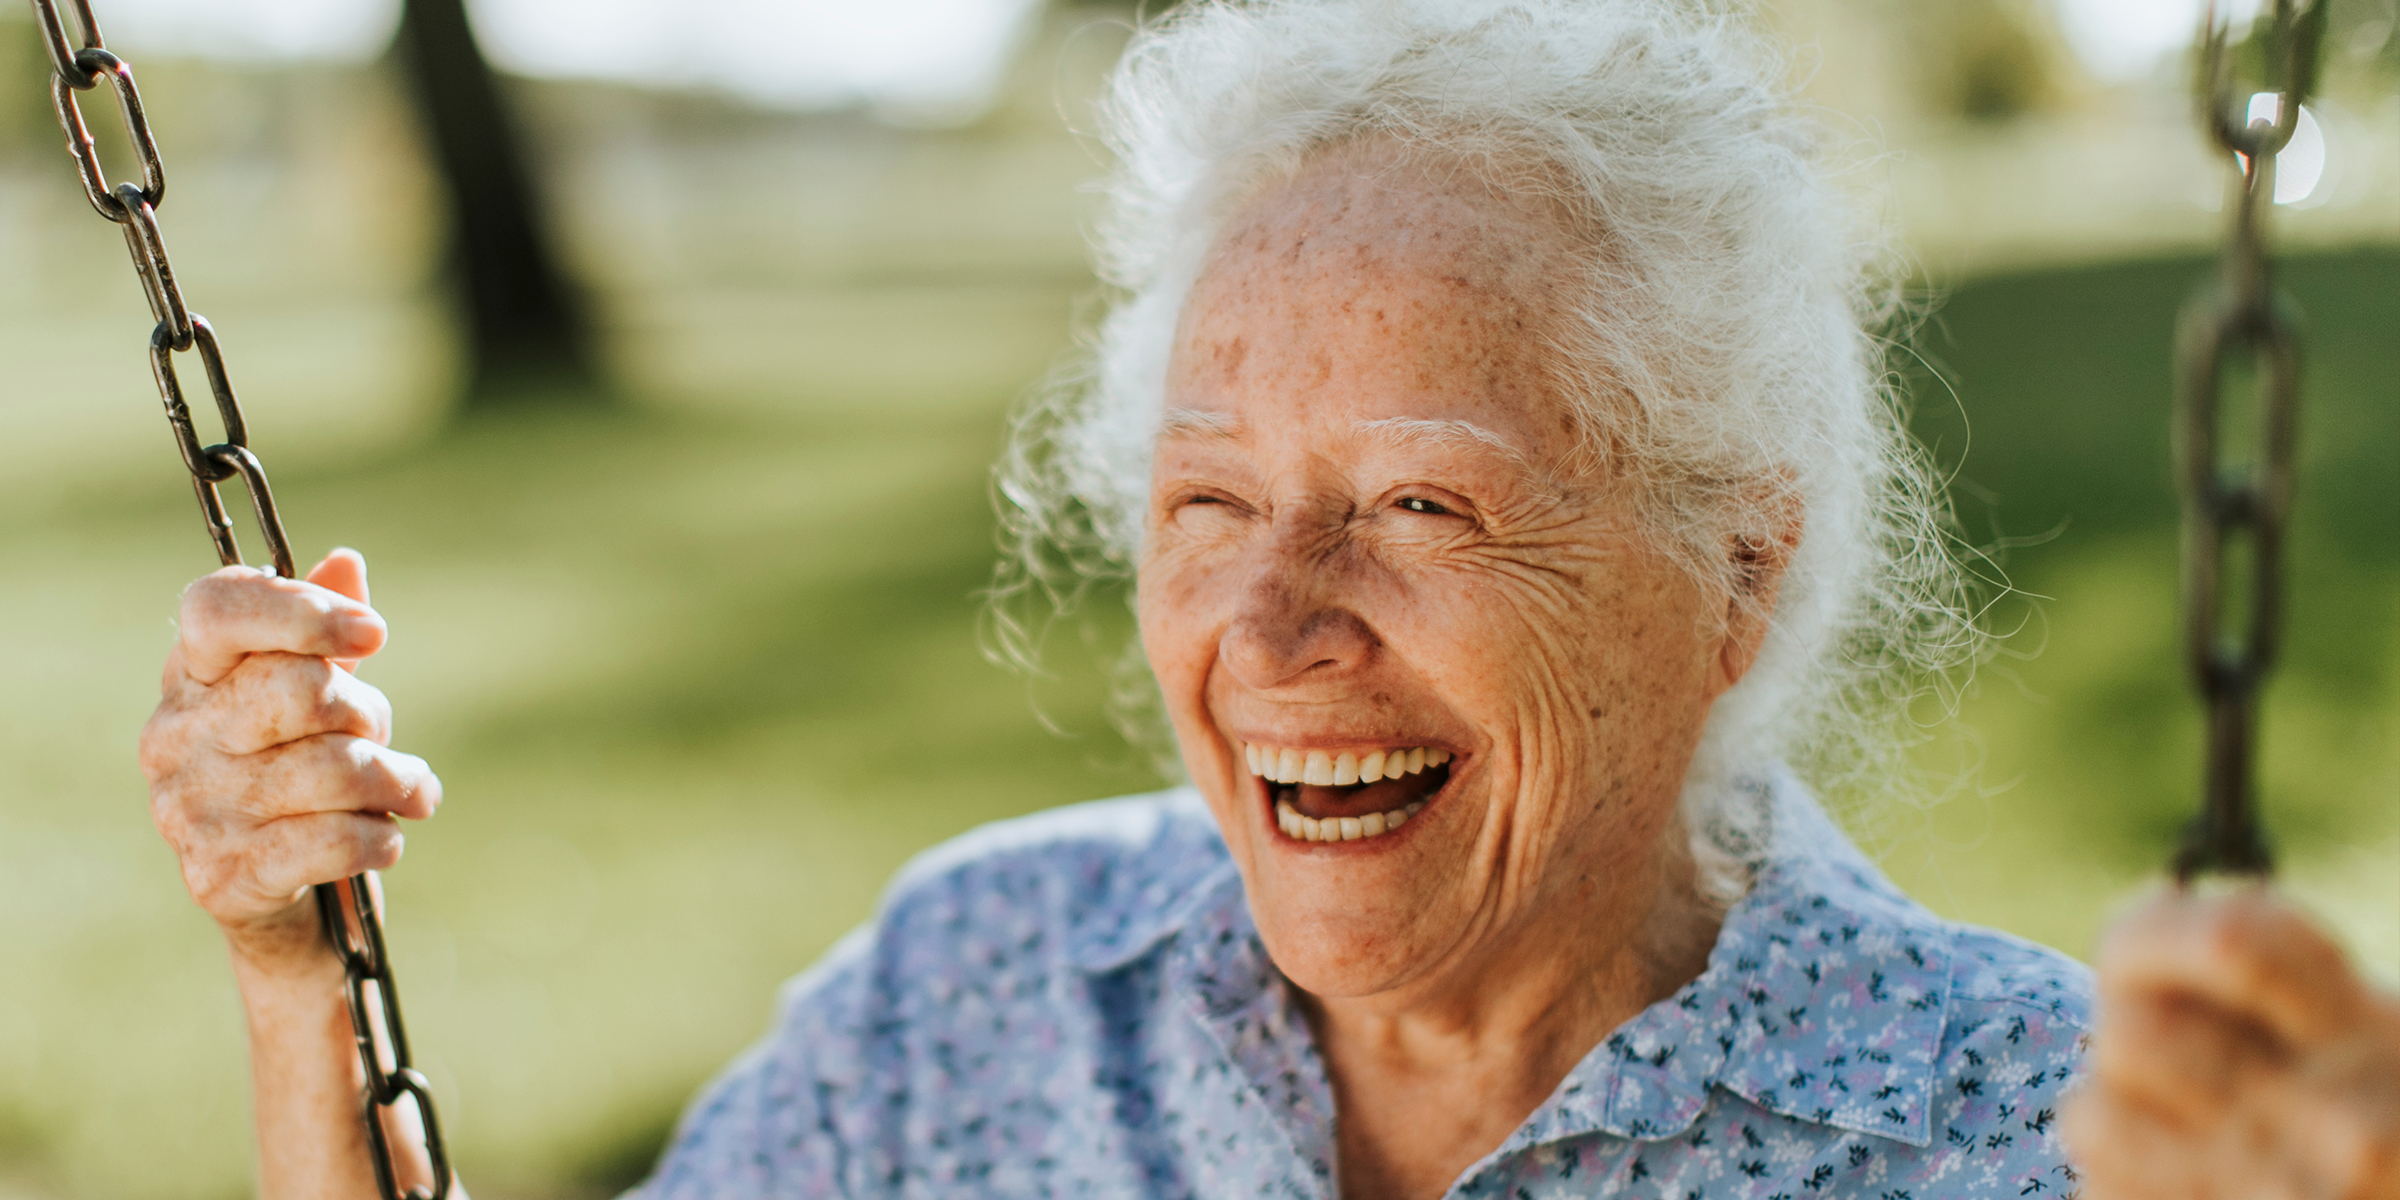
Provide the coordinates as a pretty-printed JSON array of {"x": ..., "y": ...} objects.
[{"x": 1076, "y": 1004}]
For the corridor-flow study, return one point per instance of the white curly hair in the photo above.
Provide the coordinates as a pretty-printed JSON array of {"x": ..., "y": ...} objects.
[{"x": 1725, "y": 348}]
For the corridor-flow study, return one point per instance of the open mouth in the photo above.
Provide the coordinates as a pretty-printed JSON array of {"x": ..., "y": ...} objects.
[{"x": 1346, "y": 796}]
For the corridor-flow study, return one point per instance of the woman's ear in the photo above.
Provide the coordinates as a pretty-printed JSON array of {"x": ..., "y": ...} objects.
[{"x": 1759, "y": 555}]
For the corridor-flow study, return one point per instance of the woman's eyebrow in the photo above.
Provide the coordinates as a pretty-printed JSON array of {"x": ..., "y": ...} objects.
[
  {"x": 1454, "y": 433},
  {"x": 1451, "y": 431},
  {"x": 1193, "y": 422},
  {"x": 1396, "y": 432}
]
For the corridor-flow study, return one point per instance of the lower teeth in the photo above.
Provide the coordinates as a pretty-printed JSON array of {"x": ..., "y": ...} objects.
[{"x": 1340, "y": 829}]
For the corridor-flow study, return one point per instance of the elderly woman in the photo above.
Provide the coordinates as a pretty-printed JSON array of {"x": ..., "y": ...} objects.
[{"x": 1491, "y": 419}]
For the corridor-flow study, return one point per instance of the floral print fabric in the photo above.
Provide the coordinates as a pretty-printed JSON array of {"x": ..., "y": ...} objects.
[{"x": 1077, "y": 1004}]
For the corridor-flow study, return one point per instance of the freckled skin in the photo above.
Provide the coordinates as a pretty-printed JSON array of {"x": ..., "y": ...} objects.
[{"x": 1291, "y": 594}]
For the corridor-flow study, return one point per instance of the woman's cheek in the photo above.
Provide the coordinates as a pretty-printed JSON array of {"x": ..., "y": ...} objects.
[
  {"x": 1495, "y": 628},
  {"x": 1179, "y": 589}
]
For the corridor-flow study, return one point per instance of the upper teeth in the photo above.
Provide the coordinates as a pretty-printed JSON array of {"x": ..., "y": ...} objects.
[{"x": 1321, "y": 769}]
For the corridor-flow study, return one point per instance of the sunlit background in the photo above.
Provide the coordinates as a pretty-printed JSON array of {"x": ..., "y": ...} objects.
[{"x": 697, "y": 654}]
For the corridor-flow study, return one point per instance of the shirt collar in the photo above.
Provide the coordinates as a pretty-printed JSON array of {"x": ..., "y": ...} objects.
[
  {"x": 1810, "y": 1007},
  {"x": 1824, "y": 1001}
]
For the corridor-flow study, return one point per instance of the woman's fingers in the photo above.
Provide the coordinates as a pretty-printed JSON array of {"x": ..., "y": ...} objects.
[
  {"x": 343, "y": 571},
  {"x": 268, "y": 762},
  {"x": 2248, "y": 953},
  {"x": 251, "y": 832},
  {"x": 271, "y": 699},
  {"x": 269, "y": 869},
  {"x": 337, "y": 773},
  {"x": 2237, "y": 1055},
  {"x": 2180, "y": 1055},
  {"x": 2125, "y": 1152},
  {"x": 2271, "y": 1143},
  {"x": 236, "y": 612},
  {"x": 327, "y": 773}
]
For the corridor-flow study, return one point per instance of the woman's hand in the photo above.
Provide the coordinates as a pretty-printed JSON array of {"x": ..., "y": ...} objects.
[
  {"x": 267, "y": 759},
  {"x": 269, "y": 771},
  {"x": 2238, "y": 1056}
]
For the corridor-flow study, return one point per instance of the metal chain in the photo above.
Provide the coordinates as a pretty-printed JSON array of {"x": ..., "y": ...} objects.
[
  {"x": 351, "y": 909},
  {"x": 2239, "y": 314}
]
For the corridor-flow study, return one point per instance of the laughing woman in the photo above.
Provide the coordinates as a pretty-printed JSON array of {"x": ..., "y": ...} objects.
[{"x": 1491, "y": 419}]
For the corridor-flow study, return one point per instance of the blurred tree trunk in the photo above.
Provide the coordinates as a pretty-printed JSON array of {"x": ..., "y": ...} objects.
[{"x": 526, "y": 330}]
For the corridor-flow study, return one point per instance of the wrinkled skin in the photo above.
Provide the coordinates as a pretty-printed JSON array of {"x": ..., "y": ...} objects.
[
  {"x": 2238, "y": 1057},
  {"x": 269, "y": 761},
  {"x": 1320, "y": 573},
  {"x": 270, "y": 769}
]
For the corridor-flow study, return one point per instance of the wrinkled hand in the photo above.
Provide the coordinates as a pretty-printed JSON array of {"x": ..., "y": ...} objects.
[
  {"x": 2238, "y": 1056},
  {"x": 268, "y": 759}
]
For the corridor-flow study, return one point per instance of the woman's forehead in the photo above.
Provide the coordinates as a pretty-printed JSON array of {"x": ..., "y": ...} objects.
[
  {"x": 1378, "y": 353},
  {"x": 1385, "y": 209}
]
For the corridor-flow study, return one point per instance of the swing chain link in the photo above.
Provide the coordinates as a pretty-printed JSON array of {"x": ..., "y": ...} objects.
[
  {"x": 2239, "y": 315},
  {"x": 349, "y": 910}
]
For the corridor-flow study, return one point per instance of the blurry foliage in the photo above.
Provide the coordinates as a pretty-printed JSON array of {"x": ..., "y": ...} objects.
[
  {"x": 2267, "y": 49},
  {"x": 2361, "y": 52},
  {"x": 1999, "y": 66},
  {"x": 1977, "y": 60}
]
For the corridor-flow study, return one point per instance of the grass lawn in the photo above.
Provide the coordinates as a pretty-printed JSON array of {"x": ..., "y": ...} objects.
[{"x": 698, "y": 681}]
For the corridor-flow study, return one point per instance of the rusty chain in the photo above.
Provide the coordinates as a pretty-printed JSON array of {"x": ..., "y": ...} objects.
[
  {"x": 350, "y": 910},
  {"x": 2239, "y": 314}
]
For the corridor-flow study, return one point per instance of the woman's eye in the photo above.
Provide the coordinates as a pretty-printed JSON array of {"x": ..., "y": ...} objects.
[
  {"x": 1419, "y": 504},
  {"x": 1205, "y": 505}
]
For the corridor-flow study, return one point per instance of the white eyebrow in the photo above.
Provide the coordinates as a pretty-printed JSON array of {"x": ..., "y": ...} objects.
[
  {"x": 1193, "y": 422},
  {"x": 1399, "y": 431},
  {"x": 1445, "y": 432}
]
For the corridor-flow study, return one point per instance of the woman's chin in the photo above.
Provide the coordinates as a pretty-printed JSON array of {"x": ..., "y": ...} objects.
[
  {"x": 1353, "y": 947},
  {"x": 1353, "y": 925},
  {"x": 1361, "y": 914}
]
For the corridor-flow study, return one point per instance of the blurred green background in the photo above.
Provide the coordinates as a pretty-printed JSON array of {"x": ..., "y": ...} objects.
[{"x": 700, "y": 666}]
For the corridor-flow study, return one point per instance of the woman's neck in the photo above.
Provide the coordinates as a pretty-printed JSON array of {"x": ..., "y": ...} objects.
[{"x": 1433, "y": 1075}]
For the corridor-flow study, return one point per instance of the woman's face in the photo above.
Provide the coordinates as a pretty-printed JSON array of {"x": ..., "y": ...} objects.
[{"x": 1367, "y": 556}]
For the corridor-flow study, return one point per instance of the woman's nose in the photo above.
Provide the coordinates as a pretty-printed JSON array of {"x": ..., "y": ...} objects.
[{"x": 1289, "y": 626}]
